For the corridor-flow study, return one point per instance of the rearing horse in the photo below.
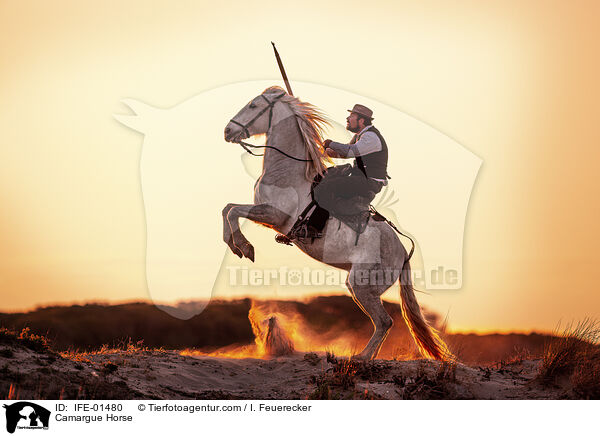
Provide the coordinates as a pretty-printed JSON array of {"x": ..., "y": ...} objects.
[{"x": 283, "y": 191}]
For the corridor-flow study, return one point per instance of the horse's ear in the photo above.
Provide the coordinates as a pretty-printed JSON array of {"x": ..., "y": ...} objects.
[{"x": 144, "y": 115}]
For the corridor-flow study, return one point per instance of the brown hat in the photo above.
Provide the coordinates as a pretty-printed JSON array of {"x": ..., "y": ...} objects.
[{"x": 362, "y": 110}]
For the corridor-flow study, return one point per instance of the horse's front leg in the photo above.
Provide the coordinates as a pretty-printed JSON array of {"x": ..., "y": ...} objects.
[
  {"x": 227, "y": 233},
  {"x": 260, "y": 213}
]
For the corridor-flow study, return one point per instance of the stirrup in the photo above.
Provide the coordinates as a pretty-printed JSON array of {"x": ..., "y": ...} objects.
[{"x": 305, "y": 231}]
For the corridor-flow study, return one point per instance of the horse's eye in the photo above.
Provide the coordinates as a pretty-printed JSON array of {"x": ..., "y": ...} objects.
[{"x": 252, "y": 105}]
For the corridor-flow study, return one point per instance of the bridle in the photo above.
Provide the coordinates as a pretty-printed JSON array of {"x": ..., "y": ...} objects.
[{"x": 269, "y": 107}]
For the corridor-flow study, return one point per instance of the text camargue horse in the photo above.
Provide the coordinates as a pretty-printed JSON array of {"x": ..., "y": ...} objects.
[{"x": 374, "y": 263}]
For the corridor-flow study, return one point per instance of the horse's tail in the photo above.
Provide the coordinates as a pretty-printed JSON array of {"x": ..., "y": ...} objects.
[{"x": 430, "y": 344}]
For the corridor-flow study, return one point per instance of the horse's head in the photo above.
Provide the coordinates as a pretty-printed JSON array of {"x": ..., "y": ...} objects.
[{"x": 255, "y": 117}]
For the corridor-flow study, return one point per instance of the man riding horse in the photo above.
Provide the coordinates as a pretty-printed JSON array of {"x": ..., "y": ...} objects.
[
  {"x": 293, "y": 130},
  {"x": 348, "y": 190}
]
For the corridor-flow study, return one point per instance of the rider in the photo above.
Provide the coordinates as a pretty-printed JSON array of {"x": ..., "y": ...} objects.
[{"x": 349, "y": 190}]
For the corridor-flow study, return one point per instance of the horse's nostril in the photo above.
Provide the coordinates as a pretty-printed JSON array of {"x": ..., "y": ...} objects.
[{"x": 227, "y": 129}]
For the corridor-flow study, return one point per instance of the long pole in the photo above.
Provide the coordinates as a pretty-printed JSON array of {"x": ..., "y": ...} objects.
[{"x": 285, "y": 78}]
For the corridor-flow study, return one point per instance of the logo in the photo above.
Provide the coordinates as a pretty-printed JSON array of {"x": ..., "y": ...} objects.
[{"x": 26, "y": 415}]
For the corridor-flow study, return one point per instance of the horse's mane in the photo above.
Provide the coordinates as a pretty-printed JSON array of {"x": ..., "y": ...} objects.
[{"x": 311, "y": 122}]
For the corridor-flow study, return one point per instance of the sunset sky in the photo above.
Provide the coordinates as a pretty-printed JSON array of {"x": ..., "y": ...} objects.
[{"x": 516, "y": 83}]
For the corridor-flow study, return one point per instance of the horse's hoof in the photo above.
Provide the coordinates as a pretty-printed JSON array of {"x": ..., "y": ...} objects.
[
  {"x": 248, "y": 250},
  {"x": 233, "y": 248},
  {"x": 236, "y": 251}
]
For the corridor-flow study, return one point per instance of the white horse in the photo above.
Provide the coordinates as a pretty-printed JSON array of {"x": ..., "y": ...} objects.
[{"x": 281, "y": 193}]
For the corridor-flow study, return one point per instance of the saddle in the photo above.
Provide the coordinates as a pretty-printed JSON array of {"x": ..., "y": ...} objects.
[{"x": 315, "y": 217}]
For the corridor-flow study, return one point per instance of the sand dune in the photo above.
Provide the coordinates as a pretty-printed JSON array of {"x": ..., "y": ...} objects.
[
  {"x": 160, "y": 374},
  {"x": 209, "y": 364}
]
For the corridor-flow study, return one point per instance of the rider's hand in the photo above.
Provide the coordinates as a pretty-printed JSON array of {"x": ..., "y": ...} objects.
[
  {"x": 326, "y": 143},
  {"x": 332, "y": 153}
]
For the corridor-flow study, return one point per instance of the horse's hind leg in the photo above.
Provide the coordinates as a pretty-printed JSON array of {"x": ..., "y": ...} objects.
[{"x": 367, "y": 294}]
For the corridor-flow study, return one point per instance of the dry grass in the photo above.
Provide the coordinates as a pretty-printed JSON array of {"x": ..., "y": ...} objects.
[
  {"x": 24, "y": 338},
  {"x": 339, "y": 381},
  {"x": 520, "y": 355},
  {"x": 124, "y": 347},
  {"x": 426, "y": 385},
  {"x": 574, "y": 353},
  {"x": 124, "y": 353},
  {"x": 586, "y": 378},
  {"x": 336, "y": 382},
  {"x": 405, "y": 349}
]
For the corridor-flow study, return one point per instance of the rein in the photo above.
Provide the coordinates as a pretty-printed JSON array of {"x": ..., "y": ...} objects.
[{"x": 245, "y": 146}]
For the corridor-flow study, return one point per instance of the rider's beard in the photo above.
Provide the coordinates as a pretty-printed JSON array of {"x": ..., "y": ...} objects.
[{"x": 354, "y": 129}]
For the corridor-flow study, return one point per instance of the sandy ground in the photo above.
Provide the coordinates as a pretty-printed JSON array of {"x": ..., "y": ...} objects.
[{"x": 134, "y": 374}]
